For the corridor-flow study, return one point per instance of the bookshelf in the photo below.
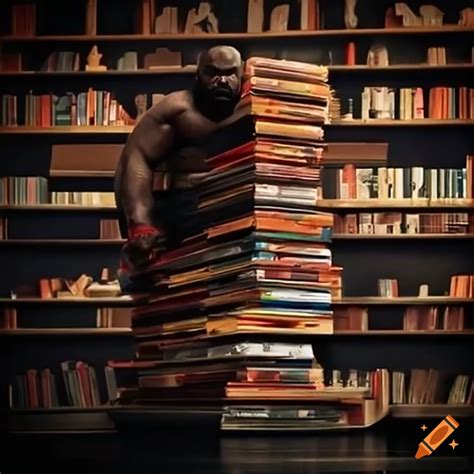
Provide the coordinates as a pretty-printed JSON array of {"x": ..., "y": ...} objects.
[{"x": 411, "y": 258}]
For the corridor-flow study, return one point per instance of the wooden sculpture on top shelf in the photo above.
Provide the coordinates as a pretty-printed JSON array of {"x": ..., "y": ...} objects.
[
  {"x": 466, "y": 18},
  {"x": 350, "y": 18},
  {"x": 167, "y": 22},
  {"x": 432, "y": 16},
  {"x": 409, "y": 17},
  {"x": 279, "y": 18},
  {"x": 202, "y": 20},
  {"x": 429, "y": 15},
  {"x": 255, "y": 16},
  {"x": 93, "y": 60}
]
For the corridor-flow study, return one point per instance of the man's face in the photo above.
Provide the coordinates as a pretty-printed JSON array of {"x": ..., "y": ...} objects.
[{"x": 220, "y": 77}]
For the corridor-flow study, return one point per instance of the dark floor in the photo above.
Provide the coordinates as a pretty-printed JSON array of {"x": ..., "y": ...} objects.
[{"x": 387, "y": 448}]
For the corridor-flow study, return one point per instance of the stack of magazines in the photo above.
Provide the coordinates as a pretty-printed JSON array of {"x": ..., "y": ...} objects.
[{"x": 224, "y": 319}]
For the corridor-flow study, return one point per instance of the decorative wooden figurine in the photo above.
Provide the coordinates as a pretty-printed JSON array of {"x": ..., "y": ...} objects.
[
  {"x": 93, "y": 60},
  {"x": 350, "y": 18}
]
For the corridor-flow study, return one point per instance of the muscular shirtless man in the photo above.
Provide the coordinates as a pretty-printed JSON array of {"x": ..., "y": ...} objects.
[{"x": 167, "y": 139}]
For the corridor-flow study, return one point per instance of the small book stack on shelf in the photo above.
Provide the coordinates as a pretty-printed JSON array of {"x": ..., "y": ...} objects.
[{"x": 261, "y": 269}]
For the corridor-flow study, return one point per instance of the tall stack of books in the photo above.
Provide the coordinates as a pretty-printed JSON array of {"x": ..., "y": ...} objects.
[{"x": 224, "y": 320}]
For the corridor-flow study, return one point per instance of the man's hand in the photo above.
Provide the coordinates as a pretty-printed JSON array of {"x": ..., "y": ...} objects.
[{"x": 143, "y": 247}]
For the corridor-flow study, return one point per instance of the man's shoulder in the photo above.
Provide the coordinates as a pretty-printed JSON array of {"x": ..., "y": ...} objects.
[{"x": 171, "y": 105}]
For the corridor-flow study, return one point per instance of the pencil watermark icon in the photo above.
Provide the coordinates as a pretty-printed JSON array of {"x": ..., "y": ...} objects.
[{"x": 437, "y": 436}]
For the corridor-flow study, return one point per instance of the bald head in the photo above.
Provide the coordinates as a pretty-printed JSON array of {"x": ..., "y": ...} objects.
[
  {"x": 219, "y": 77},
  {"x": 221, "y": 57}
]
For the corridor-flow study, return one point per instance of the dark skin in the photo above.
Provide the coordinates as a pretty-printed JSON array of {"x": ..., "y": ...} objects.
[{"x": 169, "y": 131}]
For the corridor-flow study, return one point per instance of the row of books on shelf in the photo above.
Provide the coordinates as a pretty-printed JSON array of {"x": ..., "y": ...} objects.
[
  {"x": 109, "y": 229},
  {"x": 32, "y": 190},
  {"x": 431, "y": 386},
  {"x": 91, "y": 108},
  {"x": 383, "y": 223},
  {"x": 379, "y": 102},
  {"x": 106, "y": 318},
  {"x": 414, "y": 182},
  {"x": 100, "y": 107},
  {"x": 460, "y": 286},
  {"x": 76, "y": 385},
  {"x": 381, "y": 183},
  {"x": 415, "y": 318}
]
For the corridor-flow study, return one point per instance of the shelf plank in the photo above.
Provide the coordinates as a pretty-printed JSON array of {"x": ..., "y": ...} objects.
[
  {"x": 66, "y": 129},
  {"x": 445, "y": 29},
  {"x": 191, "y": 69},
  {"x": 55, "y": 208},
  {"x": 66, "y": 332},
  {"x": 346, "y": 301},
  {"x": 395, "y": 203},
  {"x": 403, "y": 333},
  {"x": 401, "y": 301},
  {"x": 122, "y": 301},
  {"x": 48, "y": 242},
  {"x": 403, "y": 236},
  {"x": 126, "y": 129},
  {"x": 426, "y": 122},
  {"x": 165, "y": 70},
  {"x": 430, "y": 411}
]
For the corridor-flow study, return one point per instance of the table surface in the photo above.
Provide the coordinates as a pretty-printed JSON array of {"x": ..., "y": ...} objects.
[{"x": 387, "y": 447}]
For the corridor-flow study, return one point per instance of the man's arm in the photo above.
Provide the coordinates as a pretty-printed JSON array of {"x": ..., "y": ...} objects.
[{"x": 148, "y": 144}]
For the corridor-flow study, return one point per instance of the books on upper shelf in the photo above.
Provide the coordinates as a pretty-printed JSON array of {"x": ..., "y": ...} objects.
[
  {"x": 388, "y": 223},
  {"x": 33, "y": 190},
  {"x": 419, "y": 317},
  {"x": 428, "y": 318},
  {"x": 24, "y": 190},
  {"x": 444, "y": 103},
  {"x": 462, "y": 286},
  {"x": 91, "y": 108},
  {"x": 73, "y": 384},
  {"x": 23, "y": 19},
  {"x": 431, "y": 386},
  {"x": 415, "y": 182}
]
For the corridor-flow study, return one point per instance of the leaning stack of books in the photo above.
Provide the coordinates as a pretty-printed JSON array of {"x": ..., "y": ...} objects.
[{"x": 226, "y": 309}]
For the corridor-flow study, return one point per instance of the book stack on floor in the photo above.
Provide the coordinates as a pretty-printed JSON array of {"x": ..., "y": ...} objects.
[{"x": 223, "y": 322}]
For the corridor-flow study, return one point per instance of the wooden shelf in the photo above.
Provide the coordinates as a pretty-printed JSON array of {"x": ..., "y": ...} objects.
[
  {"x": 401, "y": 301},
  {"x": 61, "y": 420},
  {"x": 399, "y": 123},
  {"x": 55, "y": 208},
  {"x": 122, "y": 301},
  {"x": 48, "y": 242},
  {"x": 396, "y": 203},
  {"x": 447, "y": 29},
  {"x": 403, "y": 236},
  {"x": 66, "y": 332},
  {"x": 191, "y": 70},
  {"x": 430, "y": 411},
  {"x": 403, "y": 333},
  {"x": 65, "y": 129},
  {"x": 126, "y": 129},
  {"x": 400, "y": 67},
  {"x": 165, "y": 70}
]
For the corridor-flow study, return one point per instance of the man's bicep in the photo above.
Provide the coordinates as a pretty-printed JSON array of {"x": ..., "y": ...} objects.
[{"x": 152, "y": 139}]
